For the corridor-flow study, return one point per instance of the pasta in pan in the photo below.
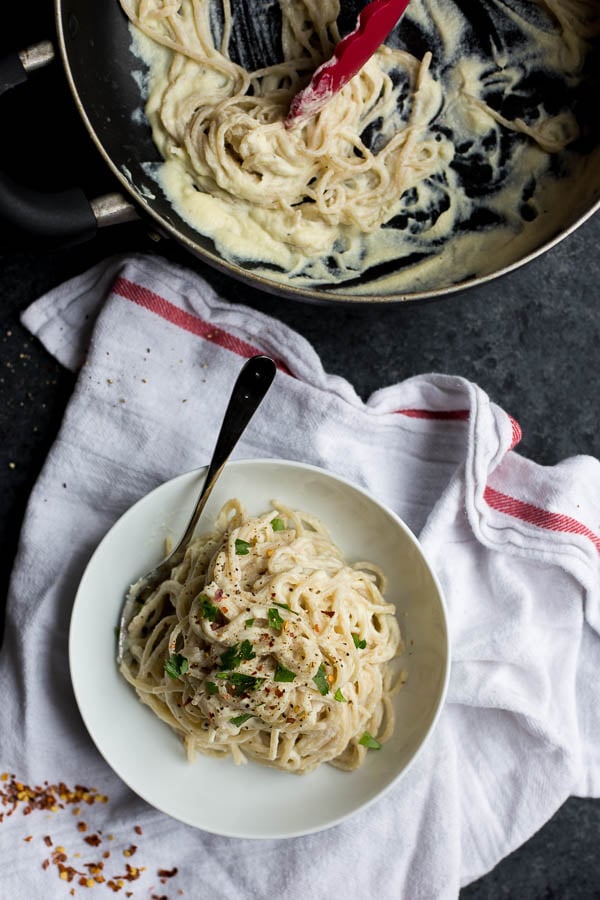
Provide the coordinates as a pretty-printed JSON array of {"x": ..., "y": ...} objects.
[
  {"x": 265, "y": 644},
  {"x": 461, "y": 137}
]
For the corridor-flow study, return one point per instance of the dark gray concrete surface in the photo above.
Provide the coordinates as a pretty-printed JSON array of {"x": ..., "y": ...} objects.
[{"x": 531, "y": 340}]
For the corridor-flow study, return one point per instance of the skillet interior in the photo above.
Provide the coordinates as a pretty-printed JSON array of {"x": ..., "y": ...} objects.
[{"x": 106, "y": 79}]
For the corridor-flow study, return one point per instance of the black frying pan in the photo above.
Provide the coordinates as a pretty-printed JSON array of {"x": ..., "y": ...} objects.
[{"x": 94, "y": 43}]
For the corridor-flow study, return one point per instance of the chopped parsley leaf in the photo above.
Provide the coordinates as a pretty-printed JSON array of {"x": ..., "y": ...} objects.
[
  {"x": 246, "y": 651},
  {"x": 242, "y": 548},
  {"x": 321, "y": 682},
  {"x": 359, "y": 643},
  {"x": 283, "y": 674},
  {"x": 282, "y": 606},
  {"x": 239, "y": 720},
  {"x": 277, "y": 524},
  {"x": 339, "y": 696},
  {"x": 369, "y": 742},
  {"x": 241, "y": 683},
  {"x": 211, "y": 687},
  {"x": 207, "y": 608},
  {"x": 275, "y": 620},
  {"x": 176, "y": 665},
  {"x": 249, "y": 623},
  {"x": 232, "y": 657}
]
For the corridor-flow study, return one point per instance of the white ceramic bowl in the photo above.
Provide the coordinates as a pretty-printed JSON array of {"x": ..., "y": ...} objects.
[{"x": 209, "y": 793}]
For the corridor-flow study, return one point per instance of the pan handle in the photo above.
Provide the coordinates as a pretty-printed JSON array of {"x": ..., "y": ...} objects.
[{"x": 64, "y": 217}]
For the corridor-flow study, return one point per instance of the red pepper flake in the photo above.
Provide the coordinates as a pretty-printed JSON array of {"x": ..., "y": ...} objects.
[
  {"x": 94, "y": 840},
  {"x": 50, "y": 797},
  {"x": 167, "y": 873}
]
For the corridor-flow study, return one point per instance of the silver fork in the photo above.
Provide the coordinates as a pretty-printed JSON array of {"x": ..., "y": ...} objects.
[{"x": 249, "y": 390}]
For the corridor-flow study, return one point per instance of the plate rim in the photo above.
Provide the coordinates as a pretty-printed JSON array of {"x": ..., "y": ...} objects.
[{"x": 443, "y": 611}]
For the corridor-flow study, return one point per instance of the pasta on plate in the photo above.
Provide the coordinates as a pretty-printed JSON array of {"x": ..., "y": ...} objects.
[{"x": 265, "y": 644}]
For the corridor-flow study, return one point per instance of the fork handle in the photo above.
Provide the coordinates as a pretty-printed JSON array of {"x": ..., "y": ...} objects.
[{"x": 253, "y": 382}]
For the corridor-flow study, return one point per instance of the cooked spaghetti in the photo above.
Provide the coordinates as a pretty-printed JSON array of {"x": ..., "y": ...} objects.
[
  {"x": 265, "y": 644},
  {"x": 460, "y": 130}
]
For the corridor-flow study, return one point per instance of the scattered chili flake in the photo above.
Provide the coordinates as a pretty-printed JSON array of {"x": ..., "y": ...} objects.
[
  {"x": 167, "y": 873},
  {"x": 94, "y": 840},
  {"x": 52, "y": 798}
]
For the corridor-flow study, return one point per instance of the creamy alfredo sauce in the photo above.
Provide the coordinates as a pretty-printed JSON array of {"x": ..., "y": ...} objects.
[{"x": 489, "y": 107}]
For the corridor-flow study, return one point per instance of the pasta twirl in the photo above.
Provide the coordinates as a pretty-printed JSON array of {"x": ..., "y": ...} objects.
[{"x": 265, "y": 644}]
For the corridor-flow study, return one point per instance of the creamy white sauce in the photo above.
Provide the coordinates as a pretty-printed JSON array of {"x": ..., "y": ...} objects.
[{"x": 437, "y": 232}]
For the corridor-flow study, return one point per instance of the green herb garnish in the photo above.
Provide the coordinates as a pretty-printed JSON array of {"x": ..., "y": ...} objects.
[
  {"x": 242, "y": 548},
  {"x": 211, "y": 687},
  {"x": 176, "y": 665},
  {"x": 239, "y": 720},
  {"x": 339, "y": 696},
  {"x": 242, "y": 683},
  {"x": 369, "y": 742},
  {"x": 246, "y": 650},
  {"x": 282, "y": 606},
  {"x": 277, "y": 524},
  {"x": 249, "y": 623},
  {"x": 275, "y": 620},
  {"x": 320, "y": 680},
  {"x": 359, "y": 643},
  {"x": 207, "y": 608},
  {"x": 232, "y": 657},
  {"x": 283, "y": 674}
]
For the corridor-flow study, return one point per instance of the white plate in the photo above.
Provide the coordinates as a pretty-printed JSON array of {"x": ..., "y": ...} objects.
[{"x": 253, "y": 801}]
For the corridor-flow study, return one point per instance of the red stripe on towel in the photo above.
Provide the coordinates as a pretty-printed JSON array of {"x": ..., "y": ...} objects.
[
  {"x": 517, "y": 434},
  {"x": 156, "y": 304},
  {"x": 534, "y": 515}
]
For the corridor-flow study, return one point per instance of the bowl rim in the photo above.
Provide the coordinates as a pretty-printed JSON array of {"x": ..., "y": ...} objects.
[{"x": 437, "y": 706}]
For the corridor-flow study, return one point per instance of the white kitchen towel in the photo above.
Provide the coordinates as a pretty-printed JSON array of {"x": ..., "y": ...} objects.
[{"x": 515, "y": 545}]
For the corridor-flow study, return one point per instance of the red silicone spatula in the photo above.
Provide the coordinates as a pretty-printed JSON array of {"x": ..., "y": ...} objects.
[{"x": 373, "y": 25}]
